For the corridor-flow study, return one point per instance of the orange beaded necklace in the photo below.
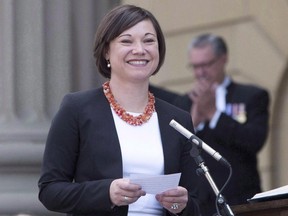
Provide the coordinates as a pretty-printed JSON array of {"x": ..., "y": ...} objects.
[{"x": 130, "y": 119}]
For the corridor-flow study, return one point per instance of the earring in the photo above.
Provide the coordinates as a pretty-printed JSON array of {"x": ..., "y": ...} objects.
[{"x": 108, "y": 64}]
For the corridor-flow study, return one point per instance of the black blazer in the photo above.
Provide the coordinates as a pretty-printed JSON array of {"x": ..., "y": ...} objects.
[
  {"x": 83, "y": 156},
  {"x": 238, "y": 141}
]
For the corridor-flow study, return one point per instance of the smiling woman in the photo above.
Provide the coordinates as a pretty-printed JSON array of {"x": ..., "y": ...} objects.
[
  {"x": 107, "y": 32},
  {"x": 100, "y": 137},
  {"x": 134, "y": 53}
]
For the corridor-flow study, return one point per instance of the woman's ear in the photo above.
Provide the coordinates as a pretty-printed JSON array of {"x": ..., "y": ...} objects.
[{"x": 107, "y": 55}]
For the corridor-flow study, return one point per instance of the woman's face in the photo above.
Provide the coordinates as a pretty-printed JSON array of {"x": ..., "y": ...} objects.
[{"x": 134, "y": 54}]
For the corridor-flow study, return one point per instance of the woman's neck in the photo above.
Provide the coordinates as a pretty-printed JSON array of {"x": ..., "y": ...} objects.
[{"x": 131, "y": 96}]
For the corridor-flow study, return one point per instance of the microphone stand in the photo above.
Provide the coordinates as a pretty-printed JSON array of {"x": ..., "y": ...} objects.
[{"x": 195, "y": 153}]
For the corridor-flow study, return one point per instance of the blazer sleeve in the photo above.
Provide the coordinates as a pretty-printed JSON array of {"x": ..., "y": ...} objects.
[{"x": 58, "y": 190}]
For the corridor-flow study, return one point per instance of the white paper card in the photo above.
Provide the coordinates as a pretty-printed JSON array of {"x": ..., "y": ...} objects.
[{"x": 155, "y": 184}]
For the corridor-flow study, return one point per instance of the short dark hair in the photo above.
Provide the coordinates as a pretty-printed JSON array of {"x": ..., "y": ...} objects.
[
  {"x": 217, "y": 42},
  {"x": 113, "y": 24}
]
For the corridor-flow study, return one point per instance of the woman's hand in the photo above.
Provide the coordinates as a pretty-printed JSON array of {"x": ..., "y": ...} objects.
[
  {"x": 122, "y": 192},
  {"x": 174, "y": 200}
]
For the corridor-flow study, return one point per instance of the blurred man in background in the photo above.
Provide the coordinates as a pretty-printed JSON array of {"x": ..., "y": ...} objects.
[{"x": 230, "y": 117}]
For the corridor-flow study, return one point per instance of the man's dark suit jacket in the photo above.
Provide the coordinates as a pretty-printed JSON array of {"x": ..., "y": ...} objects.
[
  {"x": 83, "y": 147},
  {"x": 238, "y": 141}
]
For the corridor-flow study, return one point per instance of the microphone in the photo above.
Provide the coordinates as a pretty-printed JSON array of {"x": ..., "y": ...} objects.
[{"x": 196, "y": 140}]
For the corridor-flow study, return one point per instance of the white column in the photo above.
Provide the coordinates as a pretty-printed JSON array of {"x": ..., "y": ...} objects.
[{"x": 45, "y": 52}]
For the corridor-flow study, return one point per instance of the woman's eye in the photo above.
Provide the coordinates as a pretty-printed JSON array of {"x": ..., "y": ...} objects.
[
  {"x": 149, "y": 40},
  {"x": 126, "y": 41}
]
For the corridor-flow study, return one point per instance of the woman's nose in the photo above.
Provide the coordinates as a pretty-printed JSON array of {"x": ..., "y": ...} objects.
[{"x": 138, "y": 48}]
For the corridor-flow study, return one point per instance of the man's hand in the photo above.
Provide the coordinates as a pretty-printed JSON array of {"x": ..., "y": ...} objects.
[{"x": 204, "y": 101}]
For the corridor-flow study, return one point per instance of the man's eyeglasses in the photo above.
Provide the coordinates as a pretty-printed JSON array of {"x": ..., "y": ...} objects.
[{"x": 205, "y": 65}]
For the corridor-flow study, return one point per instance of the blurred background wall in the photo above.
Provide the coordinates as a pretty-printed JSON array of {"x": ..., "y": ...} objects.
[{"x": 46, "y": 51}]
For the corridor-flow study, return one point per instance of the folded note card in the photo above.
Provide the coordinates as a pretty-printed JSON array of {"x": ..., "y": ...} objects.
[{"x": 155, "y": 184}]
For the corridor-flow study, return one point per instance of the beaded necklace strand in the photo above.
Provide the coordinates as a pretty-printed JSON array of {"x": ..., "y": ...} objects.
[{"x": 122, "y": 113}]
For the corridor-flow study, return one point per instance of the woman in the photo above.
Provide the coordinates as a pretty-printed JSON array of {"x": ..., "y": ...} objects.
[{"x": 99, "y": 137}]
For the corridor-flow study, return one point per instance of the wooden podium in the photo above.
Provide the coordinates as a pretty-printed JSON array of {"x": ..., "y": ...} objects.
[{"x": 264, "y": 208}]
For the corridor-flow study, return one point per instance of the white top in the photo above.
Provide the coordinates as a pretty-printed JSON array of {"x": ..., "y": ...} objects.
[{"x": 142, "y": 152}]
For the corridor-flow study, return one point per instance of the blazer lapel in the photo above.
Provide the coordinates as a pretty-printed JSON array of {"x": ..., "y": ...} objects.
[
  {"x": 164, "y": 119},
  {"x": 109, "y": 133}
]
